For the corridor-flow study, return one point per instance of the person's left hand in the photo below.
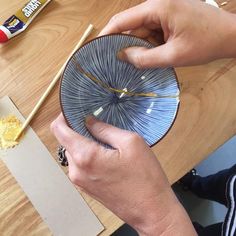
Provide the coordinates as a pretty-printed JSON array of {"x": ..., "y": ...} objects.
[{"x": 127, "y": 179}]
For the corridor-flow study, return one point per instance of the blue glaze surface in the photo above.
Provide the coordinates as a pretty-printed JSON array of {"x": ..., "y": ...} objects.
[{"x": 151, "y": 117}]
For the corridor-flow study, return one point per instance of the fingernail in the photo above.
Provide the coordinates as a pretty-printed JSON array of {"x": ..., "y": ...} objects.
[
  {"x": 90, "y": 120},
  {"x": 121, "y": 55}
]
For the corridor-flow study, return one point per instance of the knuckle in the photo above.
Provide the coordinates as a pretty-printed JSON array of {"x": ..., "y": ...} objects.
[
  {"x": 74, "y": 177},
  {"x": 134, "y": 138},
  {"x": 116, "y": 22},
  {"x": 84, "y": 162},
  {"x": 101, "y": 129},
  {"x": 53, "y": 126},
  {"x": 85, "y": 159},
  {"x": 115, "y": 18}
]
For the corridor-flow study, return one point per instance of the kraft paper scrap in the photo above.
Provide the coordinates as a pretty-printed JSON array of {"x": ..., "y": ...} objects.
[{"x": 52, "y": 194}]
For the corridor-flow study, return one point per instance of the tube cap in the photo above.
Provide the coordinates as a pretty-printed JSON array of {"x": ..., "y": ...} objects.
[{"x": 3, "y": 37}]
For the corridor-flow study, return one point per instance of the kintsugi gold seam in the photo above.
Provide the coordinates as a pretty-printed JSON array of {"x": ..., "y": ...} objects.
[{"x": 119, "y": 90}]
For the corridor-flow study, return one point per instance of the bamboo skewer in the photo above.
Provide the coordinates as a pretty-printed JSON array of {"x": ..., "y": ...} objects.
[{"x": 54, "y": 81}]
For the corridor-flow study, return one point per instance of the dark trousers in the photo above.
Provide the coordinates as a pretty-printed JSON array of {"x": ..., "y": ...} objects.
[
  {"x": 216, "y": 188},
  {"x": 211, "y": 230}
]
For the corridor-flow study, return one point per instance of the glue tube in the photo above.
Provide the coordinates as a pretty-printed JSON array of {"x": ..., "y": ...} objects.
[{"x": 21, "y": 20}]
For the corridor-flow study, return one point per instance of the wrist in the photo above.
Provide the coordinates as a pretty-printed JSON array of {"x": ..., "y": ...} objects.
[{"x": 167, "y": 219}]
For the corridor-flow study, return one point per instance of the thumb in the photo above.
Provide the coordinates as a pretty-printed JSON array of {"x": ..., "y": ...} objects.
[
  {"x": 105, "y": 133},
  {"x": 140, "y": 57}
]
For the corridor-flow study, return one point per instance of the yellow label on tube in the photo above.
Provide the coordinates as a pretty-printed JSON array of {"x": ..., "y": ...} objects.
[
  {"x": 29, "y": 9},
  {"x": 20, "y": 21}
]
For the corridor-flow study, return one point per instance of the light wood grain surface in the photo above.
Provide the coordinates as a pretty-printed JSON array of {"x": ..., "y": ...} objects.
[{"x": 206, "y": 118}]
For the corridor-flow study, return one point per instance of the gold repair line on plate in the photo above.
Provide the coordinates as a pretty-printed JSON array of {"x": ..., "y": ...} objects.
[{"x": 119, "y": 90}]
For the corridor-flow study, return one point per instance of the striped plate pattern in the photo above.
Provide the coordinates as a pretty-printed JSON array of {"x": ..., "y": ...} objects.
[{"x": 150, "y": 117}]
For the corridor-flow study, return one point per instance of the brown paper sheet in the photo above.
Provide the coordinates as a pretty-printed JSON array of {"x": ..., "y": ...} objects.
[{"x": 52, "y": 194}]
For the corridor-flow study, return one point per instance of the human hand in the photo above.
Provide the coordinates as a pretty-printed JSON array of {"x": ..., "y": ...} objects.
[
  {"x": 194, "y": 32},
  {"x": 127, "y": 179}
]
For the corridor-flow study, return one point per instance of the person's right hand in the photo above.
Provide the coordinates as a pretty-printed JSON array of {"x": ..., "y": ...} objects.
[
  {"x": 194, "y": 32},
  {"x": 127, "y": 179}
]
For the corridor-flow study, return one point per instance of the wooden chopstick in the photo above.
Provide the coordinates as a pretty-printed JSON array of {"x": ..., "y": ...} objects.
[{"x": 54, "y": 81}]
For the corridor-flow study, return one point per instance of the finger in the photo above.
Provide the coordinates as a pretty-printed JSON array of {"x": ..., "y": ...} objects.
[
  {"x": 106, "y": 133},
  {"x": 69, "y": 159},
  {"x": 72, "y": 141},
  {"x": 141, "y": 32},
  {"x": 71, "y": 164},
  {"x": 73, "y": 170},
  {"x": 160, "y": 56},
  {"x": 155, "y": 37},
  {"x": 129, "y": 19}
]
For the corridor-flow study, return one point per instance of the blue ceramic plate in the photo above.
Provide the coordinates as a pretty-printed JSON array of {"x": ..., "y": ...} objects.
[{"x": 96, "y": 82}]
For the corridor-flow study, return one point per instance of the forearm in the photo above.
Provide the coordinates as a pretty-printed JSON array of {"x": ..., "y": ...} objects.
[
  {"x": 181, "y": 223},
  {"x": 168, "y": 219}
]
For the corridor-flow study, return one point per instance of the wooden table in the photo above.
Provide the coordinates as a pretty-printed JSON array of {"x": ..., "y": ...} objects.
[{"x": 206, "y": 118}]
